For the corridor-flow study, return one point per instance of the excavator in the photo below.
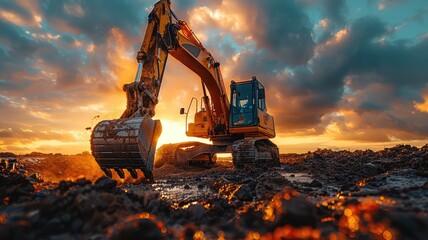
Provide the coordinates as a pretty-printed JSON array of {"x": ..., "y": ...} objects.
[{"x": 240, "y": 126}]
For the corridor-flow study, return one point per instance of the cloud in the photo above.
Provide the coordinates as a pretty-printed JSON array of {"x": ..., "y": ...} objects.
[
  {"x": 284, "y": 31},
  {"x": 50, "y": 76},
  {"x": 67, "y": 60},
  {"x": 333, "y": 14},
  {"x": 419, "y": 16},
  {"x": 303, "y": 96},
  {"x": 333, "y": 10},
  {"x": 74, "y": 16},
  {"x": 280, "y": 28},
  {"x": 389, "y": 3}
]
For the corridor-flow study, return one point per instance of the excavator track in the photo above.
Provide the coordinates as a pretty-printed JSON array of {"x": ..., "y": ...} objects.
[
  {"x": 189, "y": 154},
  {"x": 126, "y": 144},
  {"x": 254, "y": 152}
]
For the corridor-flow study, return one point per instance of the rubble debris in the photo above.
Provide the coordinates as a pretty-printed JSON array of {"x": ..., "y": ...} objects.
[
  {"x": 14, "y": 188},
  {"x": 318, "y": 195}
]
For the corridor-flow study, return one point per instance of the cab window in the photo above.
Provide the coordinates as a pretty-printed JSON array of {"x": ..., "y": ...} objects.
[
  {"x": 261, "y": 97},
  {"x": 242, "y": 105}
]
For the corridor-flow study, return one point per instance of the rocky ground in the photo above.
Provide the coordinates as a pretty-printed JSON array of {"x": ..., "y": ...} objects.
[{"x": 323, "y": 194}]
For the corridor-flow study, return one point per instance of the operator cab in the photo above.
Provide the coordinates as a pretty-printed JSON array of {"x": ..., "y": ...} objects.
[{"x": 248, "y": 112}]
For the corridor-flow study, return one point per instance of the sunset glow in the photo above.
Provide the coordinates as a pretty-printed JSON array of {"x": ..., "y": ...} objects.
[{"x": 335, "y": 78}]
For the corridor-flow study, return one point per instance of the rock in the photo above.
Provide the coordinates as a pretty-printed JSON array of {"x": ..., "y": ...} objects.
[
  {"x": 65, "y": 218},
  {"x": 97, "y": 237},
  {"x": 220, "y": 204},
  {"x": 188, "y": 232},
  {"x": 53, "y": 224},
  {"x": 76, "y": 225},
  {"x": 253, "y": 220},
  {"x": 146, "y": 196},
  {"x": 410, "y": 227},
  {"x": 105, "y": 183},
  {"x": 15, "y": 188},
  {"x": 315, "y": 183},
  {"x": 64, "y": 236},
  {"x": 154, "y": 206},
  {"x": 64, "y": 186},
  {"x": 137, "y": 227},
  {"x": 197, "y": 211},
  {"x": 82, "y": 182},
  {"x": 290, "y": 209},
  {"x": 86, "y": 208},
  {"x": 150, "y": 196},
  {"x": 103, "y": 202},
  {"x": 34, "y": 216},
  {"x": 35, "y": 177},
  {"x": 3, "y": 164},
  {"x": 244, "y": 193}
]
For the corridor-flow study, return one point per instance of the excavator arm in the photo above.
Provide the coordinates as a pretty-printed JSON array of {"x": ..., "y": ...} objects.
[
  {"x": 142, "y": 94},
  {"x": 192, "y": 54},
  {"x": 164, "y": 37}
]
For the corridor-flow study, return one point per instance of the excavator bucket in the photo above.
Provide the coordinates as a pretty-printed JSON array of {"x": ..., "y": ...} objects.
[{"x": 126, "y": 144}]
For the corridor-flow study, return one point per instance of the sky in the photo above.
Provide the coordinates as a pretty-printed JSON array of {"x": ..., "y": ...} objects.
[{"x": 339, "y": 74}]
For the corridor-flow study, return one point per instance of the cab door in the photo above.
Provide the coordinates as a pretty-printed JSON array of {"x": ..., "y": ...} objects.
[
  {"x": 243, "y": 105},
  {"x": 264, "y": 119}
]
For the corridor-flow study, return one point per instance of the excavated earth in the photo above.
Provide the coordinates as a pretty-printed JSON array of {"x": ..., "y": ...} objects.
[{"x": 318, "y": 195}]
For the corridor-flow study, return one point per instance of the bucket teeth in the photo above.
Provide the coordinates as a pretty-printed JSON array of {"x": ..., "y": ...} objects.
[
  {"x": 148, "y": 175},
  {"x": 132, "y": 172},
  {"x": 120, "y": 172},
  {"x": 125, "y": 145},
  {"x": 107, "y": 172}
]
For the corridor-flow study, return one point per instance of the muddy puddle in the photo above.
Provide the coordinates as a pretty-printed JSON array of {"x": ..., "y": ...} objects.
[
  {"x": 194, "y": 189},
  {"x": 179, "y": 191},
  {"x": 404, "y": 188},
  {"x": 297, "y": 178}
]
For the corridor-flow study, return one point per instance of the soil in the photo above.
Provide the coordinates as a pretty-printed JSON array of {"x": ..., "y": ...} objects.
[{"x": 318, "y": 195}]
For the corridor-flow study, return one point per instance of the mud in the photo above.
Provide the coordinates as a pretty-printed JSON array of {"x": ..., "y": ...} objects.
[{"x": 319, "y": 195}]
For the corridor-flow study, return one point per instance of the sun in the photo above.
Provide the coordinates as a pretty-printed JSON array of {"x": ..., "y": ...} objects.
[{"x": 174, "y": 132}]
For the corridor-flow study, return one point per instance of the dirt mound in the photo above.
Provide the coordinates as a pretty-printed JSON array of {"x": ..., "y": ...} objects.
[
  {"x": 55, "y": 168},
  {"x": 318, "y": 195}
]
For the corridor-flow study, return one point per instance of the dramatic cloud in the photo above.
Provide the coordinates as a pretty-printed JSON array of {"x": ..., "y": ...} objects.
[
  {"x": 282, "y": 29},
  {"x": 388, "y": 3},
  {"x": 95, "y": 18},
  {"x": 335, "y": 71},
  {"x": 356, "y": 70},
  {"x": 335, "y": 10}
]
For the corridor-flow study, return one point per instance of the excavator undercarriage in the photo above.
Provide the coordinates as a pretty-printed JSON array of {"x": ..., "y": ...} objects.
[
  {"x": 253, "y": 152},
  {"x": 187, "y": 154}
]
